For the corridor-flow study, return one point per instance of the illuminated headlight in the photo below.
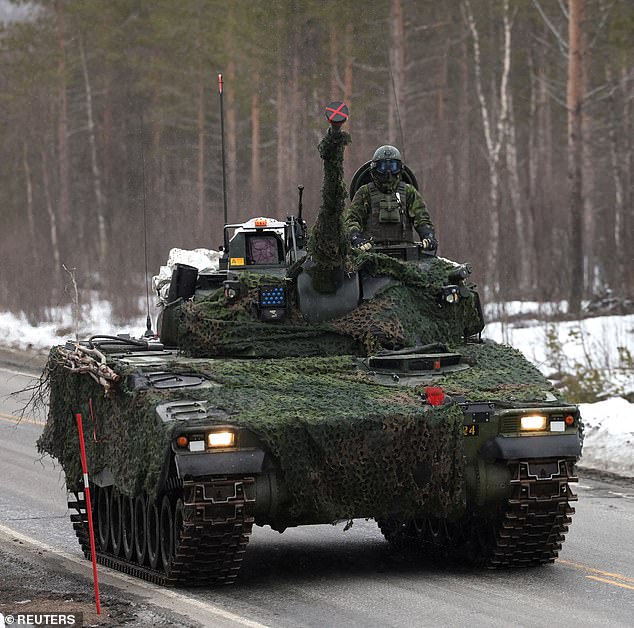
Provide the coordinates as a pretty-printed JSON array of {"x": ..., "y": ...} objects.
[
  {"x": 533, "y": 423},
  {"x": 221, "y": 439}
]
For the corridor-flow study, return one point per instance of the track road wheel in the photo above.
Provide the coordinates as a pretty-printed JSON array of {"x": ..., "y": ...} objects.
[
  {"x": 178, "y": 523},
  {"x": 153, "y": 535},
  {"x": 166, "y": 534},
  {"x": 103, "y": 517},
  {"x": 140, "y": 529},
  {"x": 115, "y": 521},
  {"x": 127, "y": 526}
]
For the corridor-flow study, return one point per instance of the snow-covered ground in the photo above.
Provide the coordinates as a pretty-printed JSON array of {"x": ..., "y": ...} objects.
[
  {"x": 17, "y": 333},
  {"x": 605, "y": 343}
]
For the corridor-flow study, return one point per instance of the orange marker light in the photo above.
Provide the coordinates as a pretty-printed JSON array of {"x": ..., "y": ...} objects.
[
  {"x": 569, "y": 420},
  {"x": 182, "y": 441},
  {"x": 260, "y": 222}
]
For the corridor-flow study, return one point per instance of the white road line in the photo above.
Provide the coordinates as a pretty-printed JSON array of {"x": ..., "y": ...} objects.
[
  {"x": 21, "y": 419},
  {"x": 168, "y": 593},
  {"x": 624, "y": 495},
  {"x": 13, "y": 372}
]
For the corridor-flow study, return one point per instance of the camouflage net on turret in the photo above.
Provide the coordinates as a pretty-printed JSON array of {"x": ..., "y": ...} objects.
[
  {"x": 405, "y": 312},
  {"x": 346, "y": 446}
]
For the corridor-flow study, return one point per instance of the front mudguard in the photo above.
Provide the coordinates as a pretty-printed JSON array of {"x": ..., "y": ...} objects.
[
  {"x": 191, "y": 465},
  {"x": 527, "y": 447}
]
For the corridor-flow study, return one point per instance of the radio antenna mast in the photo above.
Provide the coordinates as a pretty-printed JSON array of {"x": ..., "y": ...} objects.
[
  {"x": 398, "y": 113},
  {"x": 222, "y": 144},
  {"x": 148, "y": 321}
]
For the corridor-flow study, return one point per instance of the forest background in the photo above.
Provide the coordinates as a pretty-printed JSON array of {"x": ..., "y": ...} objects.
[{"x": 515, "y": 115}]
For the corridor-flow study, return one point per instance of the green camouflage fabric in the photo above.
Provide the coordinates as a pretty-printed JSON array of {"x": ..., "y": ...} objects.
[
  {"x": 346, "y": 445},
  {"x": 375, "y": 451},
  {"x": 328, "y": 244},
  {"x": 406, "y": 312}
]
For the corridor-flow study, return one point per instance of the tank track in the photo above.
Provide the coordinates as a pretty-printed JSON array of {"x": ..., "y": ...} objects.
[
  {"x": 211, "y": 545},
  {"x": 529, "y": 530}
]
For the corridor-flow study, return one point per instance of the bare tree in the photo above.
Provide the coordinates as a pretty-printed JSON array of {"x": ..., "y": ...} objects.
[
  {"x": 495, "y": 131},
  {"x": 49, "y": 211},
  {"x": 200, "y": 175},
  {"x": 62, "y": 119},
  {"x": 282, "y": 136},
  {"x": 96, "y": 171},
  {"x": 347, "y": 75},
  {"x": 29, "y": 196},
  {"x": 574, "y": 103}
]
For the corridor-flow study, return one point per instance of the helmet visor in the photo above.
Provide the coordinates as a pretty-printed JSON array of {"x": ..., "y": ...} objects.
[{"x": 388, "y": 165}]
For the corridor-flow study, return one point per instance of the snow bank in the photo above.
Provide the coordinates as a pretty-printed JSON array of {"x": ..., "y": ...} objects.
[
  {"x": 605, "y": 343},
  {"x": 96, "y": 318},
  {"x": 609, "y": 436}
]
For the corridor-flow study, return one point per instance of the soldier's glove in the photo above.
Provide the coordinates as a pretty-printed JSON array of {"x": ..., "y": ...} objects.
[
  {"x": 427, "y": 238},
  {"x": 359, "y": 241}
]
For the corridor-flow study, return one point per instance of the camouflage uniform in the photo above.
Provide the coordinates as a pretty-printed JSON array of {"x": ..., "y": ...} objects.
[{"x": 382, "y": 217}]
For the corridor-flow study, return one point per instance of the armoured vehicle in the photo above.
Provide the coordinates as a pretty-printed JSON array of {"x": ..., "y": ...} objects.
[{"x": 303, "y": 382}]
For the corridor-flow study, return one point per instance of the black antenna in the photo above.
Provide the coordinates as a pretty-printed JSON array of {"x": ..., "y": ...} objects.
[
  {"x": 148, "y": 321},
  {"x": 222, "y": 144},
  {"x": 398, "y": 113}
]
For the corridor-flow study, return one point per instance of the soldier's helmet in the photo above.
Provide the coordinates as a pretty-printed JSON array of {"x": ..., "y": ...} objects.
[{"x": 386, "y": 167}]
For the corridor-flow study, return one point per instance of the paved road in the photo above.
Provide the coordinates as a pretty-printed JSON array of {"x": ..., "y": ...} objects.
[{"x": 323, "y": 576}]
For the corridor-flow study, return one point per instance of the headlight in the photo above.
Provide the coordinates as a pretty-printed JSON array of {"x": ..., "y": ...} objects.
[
  {"x": 221, "y": 439},
  {"x": 533, "y": 423}
]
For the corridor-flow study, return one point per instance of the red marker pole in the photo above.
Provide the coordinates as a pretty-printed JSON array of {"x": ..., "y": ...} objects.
[{"x": 91, "y": 531}]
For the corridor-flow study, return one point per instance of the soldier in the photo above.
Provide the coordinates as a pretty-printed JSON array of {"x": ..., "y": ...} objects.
[{"x": 385, "y": 210}]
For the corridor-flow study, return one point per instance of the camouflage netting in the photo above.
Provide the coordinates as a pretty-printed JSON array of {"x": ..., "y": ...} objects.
[
  {"x": 215, "y": 326},
  {"x": 408, "y": 312},
  {"x": 498, "y": 373},
  {"x": 404, "y": 313},
  {"x": 346, "y": 446},
  {"x": 125, "y": 435},
  {"x": 328, "y": 244}
]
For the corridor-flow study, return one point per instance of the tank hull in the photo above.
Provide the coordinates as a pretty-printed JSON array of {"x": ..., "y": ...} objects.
[{"x": 458, "y": 479}]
